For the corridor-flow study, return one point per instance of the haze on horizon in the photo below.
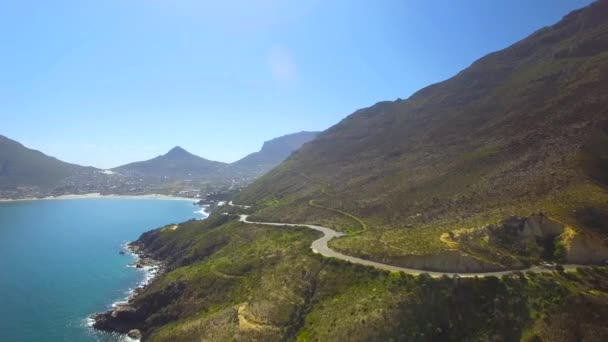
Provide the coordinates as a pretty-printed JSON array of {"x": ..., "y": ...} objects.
[{"x": 107, "y": 83}]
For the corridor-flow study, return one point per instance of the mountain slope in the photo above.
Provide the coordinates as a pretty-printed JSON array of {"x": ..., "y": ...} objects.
[
  {"x": 21, "y": 166},
  {"x": 214, "y": 290},
  {"x": 227, "y": 280},
  {"x": 273, "y": 152},
  {"x": 177, "y": 163},
  {"x": 521, "y": 130}
]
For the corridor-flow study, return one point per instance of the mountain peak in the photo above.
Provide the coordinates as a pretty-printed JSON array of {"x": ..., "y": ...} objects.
[
  {"x": 177, "y": 163},
  {"x": 177, "y": 150}
]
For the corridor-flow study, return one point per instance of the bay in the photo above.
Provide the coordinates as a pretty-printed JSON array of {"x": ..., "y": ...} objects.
[{"x": 60, "y": 262}]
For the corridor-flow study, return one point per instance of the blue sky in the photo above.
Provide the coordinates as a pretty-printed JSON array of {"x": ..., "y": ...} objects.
[{"x": 107, "y": 82}]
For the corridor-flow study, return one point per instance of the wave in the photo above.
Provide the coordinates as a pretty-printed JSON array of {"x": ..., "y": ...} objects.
[{"x": 203, "y": 212}]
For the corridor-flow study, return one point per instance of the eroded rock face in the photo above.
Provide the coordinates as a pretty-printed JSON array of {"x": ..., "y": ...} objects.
[
  {"x": 541, "y": 225},
  {"x": 582, "y": 248},
  {"x": 525, "y": 237},
  {"x": 517, "y": 227}
]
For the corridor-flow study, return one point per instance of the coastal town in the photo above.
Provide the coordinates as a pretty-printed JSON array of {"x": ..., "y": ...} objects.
[{"x": 105, "y": 183}]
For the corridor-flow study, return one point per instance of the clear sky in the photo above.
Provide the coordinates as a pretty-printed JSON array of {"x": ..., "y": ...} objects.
[{"x": 107, "y": 82}]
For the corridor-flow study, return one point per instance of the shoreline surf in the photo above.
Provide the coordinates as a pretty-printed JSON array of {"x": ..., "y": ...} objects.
[
  {"x": 150, "y": 270},
  {"x": 74, "y": 266}
]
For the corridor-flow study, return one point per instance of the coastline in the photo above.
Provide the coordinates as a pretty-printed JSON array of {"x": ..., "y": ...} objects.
[
  {"x": 151, "y": 269},
  {"x": 98, "y": 195},
  {"x": 118, "y": 318}
]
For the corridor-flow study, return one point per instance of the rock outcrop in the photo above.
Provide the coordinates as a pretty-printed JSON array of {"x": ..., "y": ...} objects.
[
  {"x": 517, "y": 227},
  {"x": 127, "y": 317},
  {"x": 121, "y": 319}
]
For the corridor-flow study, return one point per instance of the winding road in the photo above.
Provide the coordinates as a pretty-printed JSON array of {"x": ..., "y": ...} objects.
[{"x": 320, "y": 246}]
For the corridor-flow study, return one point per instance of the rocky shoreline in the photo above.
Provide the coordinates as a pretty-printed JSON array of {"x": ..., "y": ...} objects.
[{"x": 123, "y": 317}]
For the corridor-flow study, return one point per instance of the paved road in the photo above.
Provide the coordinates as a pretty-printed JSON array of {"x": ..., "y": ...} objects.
[{"x": 320, "y": 246}]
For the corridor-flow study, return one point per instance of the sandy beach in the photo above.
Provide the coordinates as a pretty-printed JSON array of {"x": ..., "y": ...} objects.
[{"x": 98, "y": 195}]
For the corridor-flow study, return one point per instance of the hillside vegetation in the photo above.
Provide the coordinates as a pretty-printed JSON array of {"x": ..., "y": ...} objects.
[
  {"x": 228, "y": 281},
  {"x": 521, "y": 131},
  {"x": 24, "y": 167},
  {"x": 501, "y": 166}
]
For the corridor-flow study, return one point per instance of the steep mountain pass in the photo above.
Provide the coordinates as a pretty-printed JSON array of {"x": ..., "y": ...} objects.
[{"x": 521, "y": 131}]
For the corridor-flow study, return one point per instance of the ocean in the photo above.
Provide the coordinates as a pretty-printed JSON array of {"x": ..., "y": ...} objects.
[{"x": 60, "y": 262}]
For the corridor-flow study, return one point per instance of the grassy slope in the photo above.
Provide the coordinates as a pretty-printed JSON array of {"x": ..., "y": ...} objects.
[
  {"x": 242, "y": 282},
  {"x": 522, "y": 130}
]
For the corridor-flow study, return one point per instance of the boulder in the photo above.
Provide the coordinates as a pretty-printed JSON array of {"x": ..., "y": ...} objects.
[
  {"x": 134, "y": 334},
  {"x": 121, "y": 319}
]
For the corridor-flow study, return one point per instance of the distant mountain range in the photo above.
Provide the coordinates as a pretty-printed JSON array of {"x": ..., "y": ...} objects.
[
  {"x": 27, "y": 172},
  {"x": 181, "y": 164}
]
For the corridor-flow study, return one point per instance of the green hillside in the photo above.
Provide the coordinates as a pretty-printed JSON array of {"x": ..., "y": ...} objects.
[
  {"x": 24, "y": 167},
  {"x": 228, "y": 281},
  {"x": 523, "y": 130}
]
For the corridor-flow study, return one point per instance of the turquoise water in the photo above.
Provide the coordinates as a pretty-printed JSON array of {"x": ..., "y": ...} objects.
[{"x": 59, "y": 262}]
